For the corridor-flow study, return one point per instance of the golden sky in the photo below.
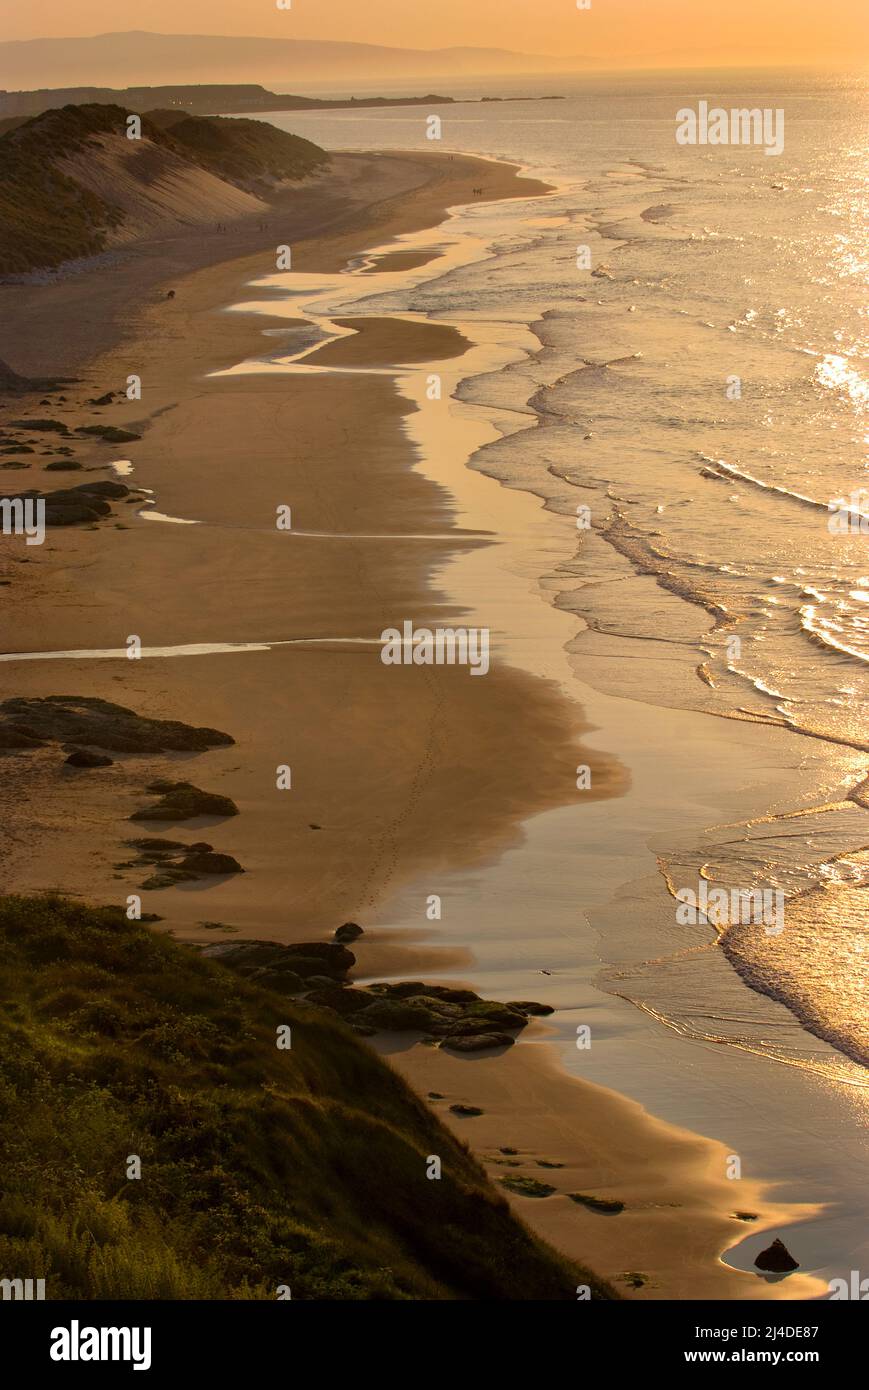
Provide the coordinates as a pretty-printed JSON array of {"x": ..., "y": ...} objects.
[{"x": 612, "y": 32}]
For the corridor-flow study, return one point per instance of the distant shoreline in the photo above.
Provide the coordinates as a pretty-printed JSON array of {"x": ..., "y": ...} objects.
[{"x": 215, "y": 99}]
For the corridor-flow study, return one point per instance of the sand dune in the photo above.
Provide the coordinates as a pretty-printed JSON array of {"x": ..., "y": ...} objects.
[{"x": 155, "y": 188}]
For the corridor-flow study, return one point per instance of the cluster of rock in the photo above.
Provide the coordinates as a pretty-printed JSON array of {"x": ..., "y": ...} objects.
[
  {"x": 453, "y": 1018},
  {"x": 183, "y": 801},
  {"x": 83, "y": 720},
  {"x": 69, "y": 506},
  {"x": 87, "y": 503},
  {"x": 14, "y": 440},
  {"x": 175, "y": 862},
  {"x": 110, "y": 434}
]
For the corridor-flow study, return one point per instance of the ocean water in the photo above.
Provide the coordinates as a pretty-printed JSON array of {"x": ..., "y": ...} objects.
[{"x": 696, "y": 395}]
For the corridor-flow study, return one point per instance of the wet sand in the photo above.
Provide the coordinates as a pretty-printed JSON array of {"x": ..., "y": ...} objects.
[{"x": 679, "y": 1207}]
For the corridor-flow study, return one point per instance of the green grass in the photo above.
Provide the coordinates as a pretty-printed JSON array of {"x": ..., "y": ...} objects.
[{"x": 260, "y": 1167}]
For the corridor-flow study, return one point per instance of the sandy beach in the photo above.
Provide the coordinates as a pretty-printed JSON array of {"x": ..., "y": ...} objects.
[{"x": 399, "y": 775}]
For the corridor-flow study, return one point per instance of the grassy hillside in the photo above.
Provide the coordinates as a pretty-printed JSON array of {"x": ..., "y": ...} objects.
[
  {"x": 48, "y": 217},
  {"x": 246, "y": 152},
  {"x": 260, "y": 1167},
  {"x": 45, "y": 217}
]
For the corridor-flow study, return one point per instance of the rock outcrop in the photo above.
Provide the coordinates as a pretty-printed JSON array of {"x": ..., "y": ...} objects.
[
  {"x": 183, "y": 801},
  {"x": 29, "y": 722},
  {"x": 453, "y": 1018},
  {"x": 777, "y": 1259}
]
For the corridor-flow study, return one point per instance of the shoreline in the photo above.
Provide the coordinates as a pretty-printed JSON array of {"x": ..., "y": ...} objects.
[{"x": 127, "y": 579}]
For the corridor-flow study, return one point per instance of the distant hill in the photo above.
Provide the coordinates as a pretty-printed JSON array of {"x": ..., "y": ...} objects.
[
  {"x": 138, "y": 57},
  {"x": 72, "y": 184}
]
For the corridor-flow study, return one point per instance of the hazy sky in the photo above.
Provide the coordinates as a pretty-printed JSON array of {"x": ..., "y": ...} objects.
[{"x": 612, "y": 31}]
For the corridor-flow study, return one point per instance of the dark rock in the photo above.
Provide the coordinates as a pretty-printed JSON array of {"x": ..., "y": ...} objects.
[
  {"x": 336, "y": 959},
  {"x": 526, "y": 1006},
  {"x": 83, "y": 719},
  {"x": 444, "y": 1016},
  {"x": 109, "y": 434},
  {"x": 71, "y": 506},
  {"x": 479, "y": 1042},
  {"x": 406, "y": 989},
  {"x": 63, "y": 466},
  {"x": 247, "y": 952},
  {"x": 453, "y": 996},
  {"x": 453, "y": 1018},
  {"x": 311, "y": 967},
  {"x": 469, "y": 1110},
  {"x": 308, "y": 959},
  {"x": 14, "y": 736},
  {"x": 168, "y": 876},
  {"x": 600, "y": 1204},
  {"x": 104, "y": 488},
  {"x": 467, "y": 1028},
  {"x": 280, "y": 981},
  {"x": 487, "y": 1014},
  {"x": 343, "y": 1001},
  {"x": 458, "y": 1027},
  {"x": 158, "y": 846},
  {"x": 526, "y": 1187},
  {"x": 83, "y": 757},
  {"x": 183, "y": 801},
  {"x": 401, "y": 989},
  {"x": 210, "y": 863},
  {"x": 776, "y": 1258},
  {"x": 397, "y": 1016},
  {"x": 348, "y": 932},
  {"x": 103, "y": 400},
  {"x": 74, "y": 511},
  {"x": 177, "y": 862}
]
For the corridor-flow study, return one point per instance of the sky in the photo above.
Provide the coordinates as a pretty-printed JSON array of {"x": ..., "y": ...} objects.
[{"x": 613, "y": 33}]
